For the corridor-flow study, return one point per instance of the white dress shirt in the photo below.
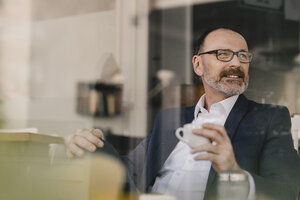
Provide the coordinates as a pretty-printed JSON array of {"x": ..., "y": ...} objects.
[{"x": 181, "y": 175}]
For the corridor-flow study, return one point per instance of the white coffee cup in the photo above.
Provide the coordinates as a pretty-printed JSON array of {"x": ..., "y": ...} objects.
[{"x": 186, "y": 135}]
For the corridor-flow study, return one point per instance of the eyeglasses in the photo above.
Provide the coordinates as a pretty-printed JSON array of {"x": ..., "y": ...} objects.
[{"x": 226, "y": 55}]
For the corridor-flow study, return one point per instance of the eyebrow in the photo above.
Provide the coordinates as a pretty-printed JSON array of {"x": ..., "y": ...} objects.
[{"x": 226, "y": 48}]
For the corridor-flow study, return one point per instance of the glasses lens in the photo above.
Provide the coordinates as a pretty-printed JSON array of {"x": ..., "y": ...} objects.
[
  {"x": 245, "y": 56},
  {"x": 224, "y": 55}
]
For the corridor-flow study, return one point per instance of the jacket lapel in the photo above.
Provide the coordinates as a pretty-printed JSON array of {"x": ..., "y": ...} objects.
[
  {"x": 232, "y": 122},
  {"x": 236, "y": 115}
]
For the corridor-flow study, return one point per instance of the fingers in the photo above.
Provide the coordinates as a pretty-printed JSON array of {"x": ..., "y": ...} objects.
[
  {"x": 214, "y": 132},
  {"x": 88, "y": 139},
  {"x": 92, "y": 136},
  {"x": 98, "y": 133},
  {"x": 206, "y": 156},
  {"x": 210, "y": 148},
  {"x": 74, "y": 149},
  {"x": 219, "y": 163},
  {"x": 84, "y": 143},
  {"x": 220, "y": 129},
  {"x": 210, "y": 134},
  {"x": 221, "y": 154}
]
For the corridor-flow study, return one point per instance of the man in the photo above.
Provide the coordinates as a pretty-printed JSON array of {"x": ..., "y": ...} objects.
[{"x": 249, "y": 136}]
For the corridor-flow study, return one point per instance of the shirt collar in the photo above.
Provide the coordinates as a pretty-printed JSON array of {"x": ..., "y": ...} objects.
[{"x": 224, "y": 105}]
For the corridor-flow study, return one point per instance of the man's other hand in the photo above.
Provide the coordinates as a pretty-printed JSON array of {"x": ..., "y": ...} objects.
[
  {"x": 88, "y": 139},
  {"x": 221, "y": 153}
]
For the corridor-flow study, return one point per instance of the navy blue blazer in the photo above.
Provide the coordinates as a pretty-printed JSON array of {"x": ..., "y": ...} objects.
[{"x": 260, "y": 136}]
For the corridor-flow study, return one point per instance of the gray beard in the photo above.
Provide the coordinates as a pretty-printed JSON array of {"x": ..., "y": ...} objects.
[{"x": 218, "y": 86}]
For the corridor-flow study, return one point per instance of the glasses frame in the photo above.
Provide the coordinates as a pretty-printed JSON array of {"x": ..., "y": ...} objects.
[{"x": 233, "y": 54}]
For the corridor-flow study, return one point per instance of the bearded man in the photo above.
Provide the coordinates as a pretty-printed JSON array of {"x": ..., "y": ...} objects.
[{"x": 251, "y": 137}]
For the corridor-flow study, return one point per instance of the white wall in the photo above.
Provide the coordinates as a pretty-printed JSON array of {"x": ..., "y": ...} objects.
[
  {"x": 65, "y": 51},
  {"x": 65, "y": 42},
  {"x": 14, "y": 61}
]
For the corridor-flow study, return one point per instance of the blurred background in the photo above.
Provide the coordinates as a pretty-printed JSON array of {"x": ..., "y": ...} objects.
[{"x": 113, "y": 64}]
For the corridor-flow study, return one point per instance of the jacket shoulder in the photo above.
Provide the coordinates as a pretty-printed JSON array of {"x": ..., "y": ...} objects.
[{"x": 267, "y": 107}]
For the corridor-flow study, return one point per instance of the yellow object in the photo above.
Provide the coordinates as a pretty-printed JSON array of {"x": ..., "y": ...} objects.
[{"x": 26, "y": 171}]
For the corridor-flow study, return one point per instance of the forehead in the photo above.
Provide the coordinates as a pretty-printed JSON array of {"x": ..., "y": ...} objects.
[{"x": 225, "y": 39}]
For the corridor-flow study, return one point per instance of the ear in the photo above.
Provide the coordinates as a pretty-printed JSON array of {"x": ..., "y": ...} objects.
[{"x": 197, "y": 65}]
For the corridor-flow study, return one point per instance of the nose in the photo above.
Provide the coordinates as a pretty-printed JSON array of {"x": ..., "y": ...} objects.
[{"x": 235, "y": 62}]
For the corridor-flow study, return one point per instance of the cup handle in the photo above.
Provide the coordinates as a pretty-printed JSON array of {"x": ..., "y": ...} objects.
[{"x": 178, "y": 134}]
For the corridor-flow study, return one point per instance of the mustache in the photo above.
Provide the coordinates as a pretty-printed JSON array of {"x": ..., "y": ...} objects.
[{"x": 235, "y": 72}]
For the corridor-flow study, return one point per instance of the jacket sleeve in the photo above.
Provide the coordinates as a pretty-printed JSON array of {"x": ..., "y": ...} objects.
[
  {"x": 279, "y": 164},
  {"x": 135, "y": 163}
]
